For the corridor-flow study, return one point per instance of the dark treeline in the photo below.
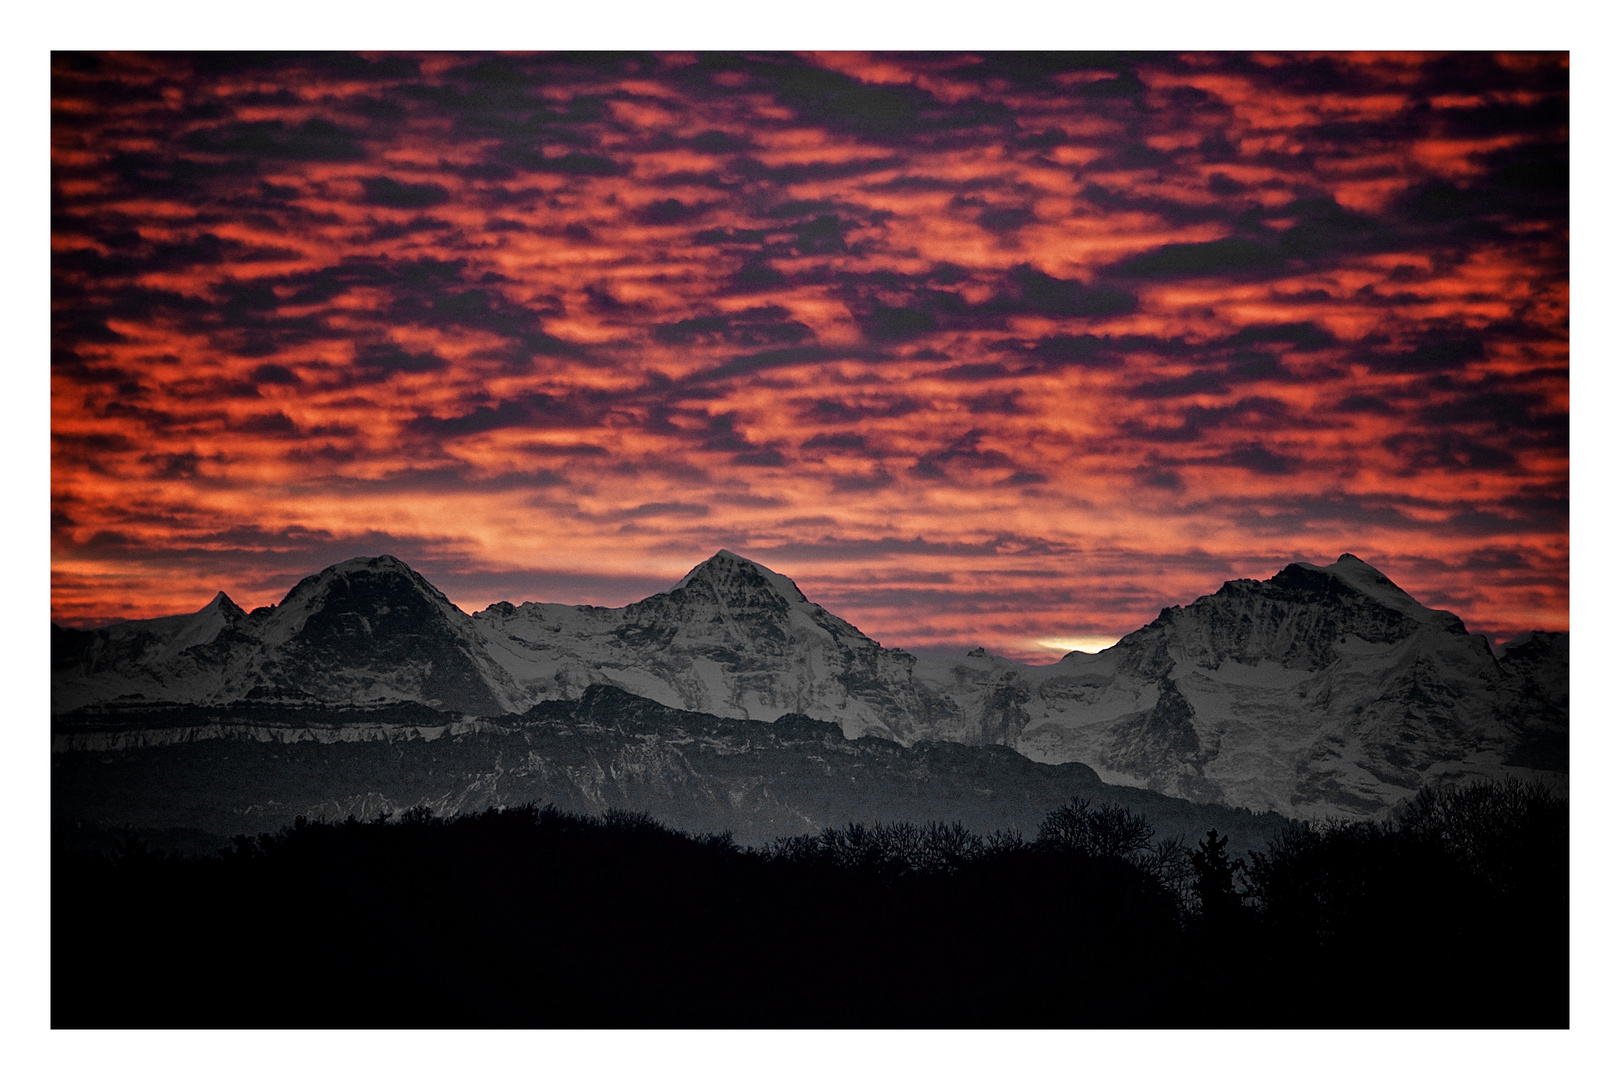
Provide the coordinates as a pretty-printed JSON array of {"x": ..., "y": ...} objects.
[{"x": 1454, "y": 915}]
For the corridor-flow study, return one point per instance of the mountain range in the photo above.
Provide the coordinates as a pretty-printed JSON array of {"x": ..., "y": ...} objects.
[{"x": 1322, "y": 691}]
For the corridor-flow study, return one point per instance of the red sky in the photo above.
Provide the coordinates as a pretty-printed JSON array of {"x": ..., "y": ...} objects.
[{"x": 989, "y": 349}]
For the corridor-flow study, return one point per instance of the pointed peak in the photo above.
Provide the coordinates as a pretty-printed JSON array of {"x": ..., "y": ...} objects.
[
  {"x": 721, "y": 561},
  {"x": 1367, "y": 579},
  {"x": 1348, "y": 568},
  {"x": 222, "y": 604},
  {"x": 726, "y": 565}
]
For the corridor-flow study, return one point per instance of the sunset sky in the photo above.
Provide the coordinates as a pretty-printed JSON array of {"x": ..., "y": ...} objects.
[{"x": 980, "y": 349}]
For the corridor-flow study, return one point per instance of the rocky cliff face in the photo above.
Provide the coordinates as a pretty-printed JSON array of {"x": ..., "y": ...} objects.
[{"x": 1324, "y": 690}]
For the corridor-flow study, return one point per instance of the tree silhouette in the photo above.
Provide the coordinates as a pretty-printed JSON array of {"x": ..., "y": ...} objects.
[
  {"x": 1097, "y": 831},
  {"x": 1213, "y": 884},
  {"x": 918, "y": 924}
]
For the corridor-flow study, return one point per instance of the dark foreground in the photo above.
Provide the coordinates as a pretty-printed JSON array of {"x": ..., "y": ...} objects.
[{"x": 1455, "y": 917}]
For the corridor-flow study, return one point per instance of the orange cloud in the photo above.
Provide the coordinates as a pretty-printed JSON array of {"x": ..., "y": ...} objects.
[{"x": 979, "y": 351}]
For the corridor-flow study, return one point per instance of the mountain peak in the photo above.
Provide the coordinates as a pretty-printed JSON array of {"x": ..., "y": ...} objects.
[
  {"x": 1368, "y": 580},
  {"x": 370, "y": 564},
  {"x": 361, "y": 566},
  {"x": 727, "y": 557},
  {"x": 730, "y": 569},
  {"x": 222, "y": 604},
  {"x": 354, "y": 584}
]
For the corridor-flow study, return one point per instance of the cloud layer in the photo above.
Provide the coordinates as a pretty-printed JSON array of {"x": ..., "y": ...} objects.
[{"x": 980, "y": 349}]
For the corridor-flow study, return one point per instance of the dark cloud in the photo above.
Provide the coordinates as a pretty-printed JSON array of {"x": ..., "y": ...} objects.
[
  {"x": 386, "y": 191},
  {"x": 1173, "y": 211},
  {"x": 391, "y": 358},
  {"x": 1156, "y": 475},
  {"x": 274, "y": 140},
  {"x": 574, "y": 163},
  {"x": 1198, "y": 421},
  {"x": 668, "y": 509},
  {"x": 841, "y": 103},
  {"x": 1301, "y": 335},
  {"x": 394, "y": 230},
  {"x": 1448, "y": 451},
  {"x": 1041, "y": 294},
  {"x": 538, "y": 411},
  {"x": 276, "y": 374},
  {"x": 720, "y": 142},
  {"x": 671, "y": 212},
  {"x": 1081, "y": 350},
  {"x": 844, "y": 441},
  {"x": 276, "y": 423},
  {"x": 963, "y": 453},
  {"x": 768, "y": 458},
  {"x": 1198, "y": 382},
  {"x": 1365, "y": 403},
  {"x": 1522, "y": 414},
  {"x": 797, "y": 356},
  {"x": 882, "y": 323},
  {"x": 1212, "y": 258},
  {"x": 1005, "y": 219},
  {"x": 997, "y": 403},
  {"x": 758, "y": 326},
  {"x": 721, "y": 434},
  {"x": 93, "y": 451},
  {"x": 826, "y": 410},
  {"x": 756, "y": 275},
  {"x": 832, "y": 548},
  {"x": 1442, "y": 353},
  {"x": 1258, "y": 459}
]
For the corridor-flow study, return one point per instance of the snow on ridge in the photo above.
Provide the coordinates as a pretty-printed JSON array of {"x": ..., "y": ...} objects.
[{"x": 1368, "y": 579}]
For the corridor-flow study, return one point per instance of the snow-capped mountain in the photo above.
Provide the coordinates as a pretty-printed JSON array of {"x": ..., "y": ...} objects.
[
  {"x": 732, "y": 639},
  {"x": 1324, "y": 690},
  {"x": 363, "y": 631}
]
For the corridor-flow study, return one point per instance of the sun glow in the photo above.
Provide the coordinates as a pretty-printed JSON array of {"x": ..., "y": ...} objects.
[{"x": 1085, "y": 644}]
